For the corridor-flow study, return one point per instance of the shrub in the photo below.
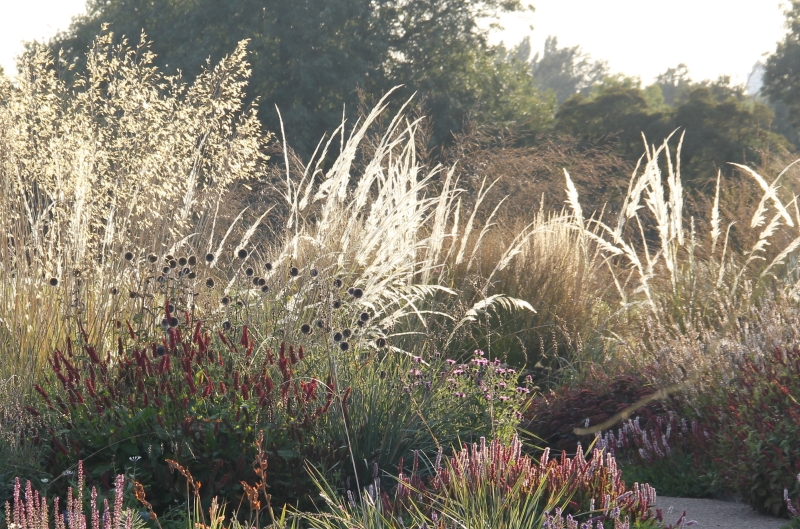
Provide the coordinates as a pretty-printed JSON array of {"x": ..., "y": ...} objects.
[
  {"x": 193, "y": 397},
  {"x": 755, "y": 427}
]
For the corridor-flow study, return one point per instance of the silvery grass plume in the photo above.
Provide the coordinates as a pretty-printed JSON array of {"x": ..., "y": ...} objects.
[
  {"x": 382, "y": 226},
  {"x": 122, "y": 161}
]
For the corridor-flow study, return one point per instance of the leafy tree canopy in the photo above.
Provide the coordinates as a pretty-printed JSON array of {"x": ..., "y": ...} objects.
[
  {"x": 309, "y": 57},
  {"x": 721, "y": 123},
  {"x": 782, "y": 68}
]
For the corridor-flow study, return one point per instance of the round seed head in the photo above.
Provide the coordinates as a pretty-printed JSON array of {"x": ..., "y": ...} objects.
[
  {"x": 262, "y": 281},
  {"x": 152, "y": 258},
  {"x": 381, "y": 342},
  {"x": 186, "y": 270},
  {"x": 161, "y": 350},
  {"x": 265, "y": 289},
  {"x": 165, "y": 323},
  {"x": 314, "y": 272},
  {"x": 210, "y": 282},
  {"x": 226, "y": 300},
  {"x": 166, "y": 269},
  {"x": 320, "y": 324},
  {"x": 240, "y": 303},
  {"x": 305, "y": 328},
  {"x": 255, "y": 280},
  {"x": 360, "y": 323},
  {"x": 209, "y": 257},
  {"x": 169, "y": 258},
  {"x": 192, "y": 260},
  {"x": 173, "y": 322},
  {"x": 268, "y": 266},
  {"x": 293, "y": 271},
  {"x": 133, "y": 294},
  {"x": 191, "y": 275},
  {"x": 337, "y": 337},
  {"x": 364, "y": 316},
  {"x": 337, "y": 283},
  {"x": 114, "y": 291},
  {"x": 249, "y": 272},
  {"x": 346, "y": 333},
  {"x": 183, "y": 261},
  {"x": 128, "y": 256},
  {"x": 337, "y": 304},
  {"x": 173, "y": 263},
  {"x": 357, "y": 293},
  {"x": 344, "y": 346},
  {"x": 350, "y": 291},
  {"x": 226, "y": 325},
  {"x": 53, "y": 282},
  {"x": 242, "y": 253}
]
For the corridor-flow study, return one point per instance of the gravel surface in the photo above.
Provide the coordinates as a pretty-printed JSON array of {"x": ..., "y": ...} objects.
[{"x": 716, "y": 513}]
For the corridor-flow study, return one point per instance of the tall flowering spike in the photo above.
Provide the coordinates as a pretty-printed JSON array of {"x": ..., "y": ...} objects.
[
  {"x": 119, "y": 490},
  {"x": 95, "y": 513}
]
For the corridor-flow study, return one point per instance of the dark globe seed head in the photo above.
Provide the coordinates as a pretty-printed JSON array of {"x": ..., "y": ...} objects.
[
  {"x": 133, "y": 294},
  {"x": 268, "y": 266},
  {"x": 360, "y": 323},
  {"x": 169, "y": 258},
  {"x": 226, "y": 325},
  {"x": 173, "y": 263},
  {"x": 209, "y": 257},
  {"x": 170, "y": 307},
  {"x": 357, "y": 293},
  {"x": 337, "y": 337},
  {"x": 161, "y": 350},
  {"x": 165, "y": 323},
  {"x": 383, "y": 374},
  {"x": 255, "y": 280},
  {"x": 337, "y": 283},
  {"x": 240, "y": 303},
  {"x": 186, "y": 270},
  {"x": 337, "y": 304},
  {"x": 314, "y": 272},
  {"x": 350, "y": 291},
  {"x": 53, "y": 282},
  {"x": 128, "y": 256},
  {"x": 173, "y": 322},
  {"x": 293, "y": 271},
  {"x": 381, "y": 342},
  {"x": 114, "y": 291},
  {"x": 320, "y": 324},
  {"x": 192, "y": 260},
  {"x": 344, "y": 346},
  {"x": 210, "y": 282},
  {"x": 191, "y": 275},
  {"x": 305, "y": 328},
  {"x": 265, "y": 289},
  {"x": 166, "y": 269},
  {"x": 226, "y": 300},
  {"x": 262, "y": 281},
  {"x": 364, "y": 316},
  {"x": 249, "y": 272},
  {"x": 152, "y": 258},
  {"x": 346, "y": 333},
  {"x": 242, "y": 253},
  {"x": 183, "y": 261}
]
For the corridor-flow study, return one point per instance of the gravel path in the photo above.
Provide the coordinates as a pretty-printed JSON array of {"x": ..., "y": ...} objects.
[{"x": 716, "y": 513}]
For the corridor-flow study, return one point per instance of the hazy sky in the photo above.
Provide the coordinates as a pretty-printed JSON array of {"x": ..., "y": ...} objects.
[{"x": 636, "y": 37}]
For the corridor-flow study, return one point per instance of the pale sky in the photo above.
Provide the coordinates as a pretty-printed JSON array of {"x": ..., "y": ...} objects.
[{"x": 637, "y": 37}]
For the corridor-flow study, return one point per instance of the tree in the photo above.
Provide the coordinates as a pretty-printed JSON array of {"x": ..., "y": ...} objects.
[
  {"x": 782, "y": 68},
  {"x": 564, "y": 71},
  {"x": 674, "y": 84},
  {"x": 309, "y": 57}
]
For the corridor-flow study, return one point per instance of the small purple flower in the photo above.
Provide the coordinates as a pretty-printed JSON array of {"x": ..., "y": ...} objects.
[
  {"x": 502, "y": 385},
  {"x": 523, "y": 390},
  {"x": 450, "y": 361},
  {"x": 478, "y": 352},
  {"x": 460, "y": 394},
  {"x": 488, "y": 396},
  {"x": 503, "y": 398},
  {"x": 417, "y": 359},
  {"x": 416, "y": 372},
  {"x": 529, "y": 378},
  {"x": 458, "y": 372},
  {"x": 500, "y": 371}
]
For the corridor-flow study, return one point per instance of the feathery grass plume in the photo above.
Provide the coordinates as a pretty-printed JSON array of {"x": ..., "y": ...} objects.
[{"x": 94, "y": 171}]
